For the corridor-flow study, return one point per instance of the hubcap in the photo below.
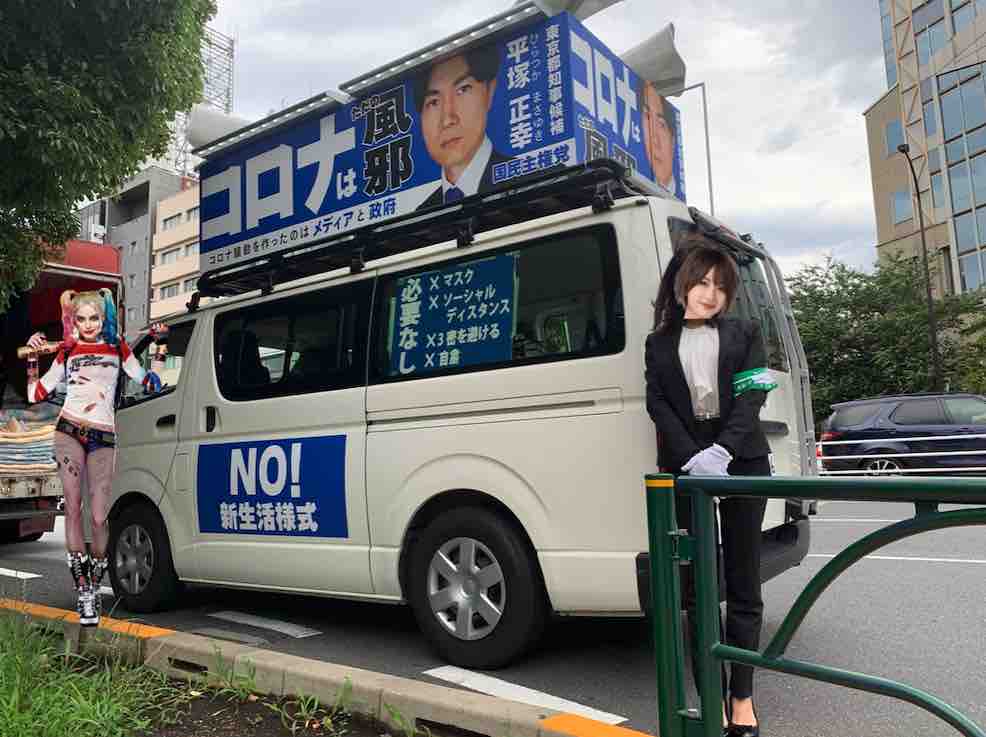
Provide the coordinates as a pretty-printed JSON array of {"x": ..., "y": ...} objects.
[
  {"x": 883, "y": 467},
  {"x": 466, "y": 589},
  {"x": 134, "y": 560}
]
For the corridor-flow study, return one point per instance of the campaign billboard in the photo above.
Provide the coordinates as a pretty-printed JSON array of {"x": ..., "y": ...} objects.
[{"x": 545, "y": 96}]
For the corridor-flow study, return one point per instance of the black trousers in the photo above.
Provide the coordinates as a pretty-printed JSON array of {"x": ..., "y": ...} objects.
[{"x": 741, "y": 520}]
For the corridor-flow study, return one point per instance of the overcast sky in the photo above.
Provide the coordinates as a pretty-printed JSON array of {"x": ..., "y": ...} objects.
[{"x": 788, "y": 81}]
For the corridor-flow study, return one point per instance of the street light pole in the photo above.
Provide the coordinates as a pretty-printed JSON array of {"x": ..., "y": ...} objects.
[
  {"x": 708, "y": 149},
  {"x": 936, "y": 376}
]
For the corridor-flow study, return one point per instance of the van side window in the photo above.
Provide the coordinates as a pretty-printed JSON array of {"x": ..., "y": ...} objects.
[
  {"x": 754, "y": 302},
  {"x": 297, "y": 345},
  {"x": 550, "y": 299},
  {"x": 178, "y": 338}
]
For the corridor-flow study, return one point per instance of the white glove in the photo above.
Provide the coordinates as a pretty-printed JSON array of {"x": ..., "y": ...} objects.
[{"x": 713, "y": 461}]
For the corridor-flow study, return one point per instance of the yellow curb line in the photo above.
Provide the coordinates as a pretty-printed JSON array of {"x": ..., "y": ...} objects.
[
  {"x": 660, "y": 483},
  {"x": 119, "y": 626},
  {"x": 583, "y": 727}
]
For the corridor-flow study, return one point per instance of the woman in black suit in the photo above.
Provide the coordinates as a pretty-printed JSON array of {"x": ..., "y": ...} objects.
[{"x": 706, "y": 382}]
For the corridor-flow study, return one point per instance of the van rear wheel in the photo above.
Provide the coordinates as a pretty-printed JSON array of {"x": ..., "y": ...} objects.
[
  {"x": 475, "y": 589},
  {"x": 142, "y": 571}
]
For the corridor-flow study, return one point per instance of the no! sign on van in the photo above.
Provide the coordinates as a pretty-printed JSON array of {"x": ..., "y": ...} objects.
[{"x": 289, "y": 486}]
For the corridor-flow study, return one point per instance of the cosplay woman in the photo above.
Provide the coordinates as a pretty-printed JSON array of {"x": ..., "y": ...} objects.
[
  {"x": 88, "y": 364},
  {"x": 706, "y": 382}
]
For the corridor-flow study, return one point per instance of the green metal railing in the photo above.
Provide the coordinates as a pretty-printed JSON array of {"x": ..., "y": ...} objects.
[{"x": 670, "y": 546}]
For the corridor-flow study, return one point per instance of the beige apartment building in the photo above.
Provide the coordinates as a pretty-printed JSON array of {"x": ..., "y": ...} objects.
[
  {"x": 175, "y": 254},
  {"x": 936, "y": 104}
]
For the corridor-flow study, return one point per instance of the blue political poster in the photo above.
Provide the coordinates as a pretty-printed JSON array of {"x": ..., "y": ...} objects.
[
  {"x": 459, "y": 316},
  {"x": 619, "y": 115},
  {"x": 546, "y": 96},
  {"x": 291, "y": 486}
]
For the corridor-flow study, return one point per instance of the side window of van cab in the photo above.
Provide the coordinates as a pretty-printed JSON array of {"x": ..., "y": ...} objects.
[
  {"x": 178, "y": 338},
  {"x": 309, "y": 342},
  {"x": 754, "y": 302},
  {"x": 551, "y": 299}
]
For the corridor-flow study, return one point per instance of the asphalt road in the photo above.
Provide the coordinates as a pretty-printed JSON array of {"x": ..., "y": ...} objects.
[{"x": 915, "y": 615}]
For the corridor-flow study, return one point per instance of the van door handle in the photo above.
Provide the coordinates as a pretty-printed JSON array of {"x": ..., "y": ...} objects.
[
  {"x": 166, "y": 421},
  {"x": 210, "y": 419}
]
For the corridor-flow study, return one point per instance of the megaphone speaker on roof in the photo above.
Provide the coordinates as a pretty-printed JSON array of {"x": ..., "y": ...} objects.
[
  {"x": 207, "y": 124},
  {"x": 658, "y": 61}
]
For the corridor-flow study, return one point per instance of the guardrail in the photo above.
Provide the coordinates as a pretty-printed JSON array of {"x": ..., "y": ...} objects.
[
  {"x": 670, "y": 546},
  {"x": 903, "y": 470}
]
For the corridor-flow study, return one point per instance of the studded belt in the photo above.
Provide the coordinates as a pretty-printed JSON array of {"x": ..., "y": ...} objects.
[{"x": 86, "y": 434}]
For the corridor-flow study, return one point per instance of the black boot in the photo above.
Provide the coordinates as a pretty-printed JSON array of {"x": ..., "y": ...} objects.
[
  {"x": 96, "y": 574},
  {"x": 80, "y": 566}
]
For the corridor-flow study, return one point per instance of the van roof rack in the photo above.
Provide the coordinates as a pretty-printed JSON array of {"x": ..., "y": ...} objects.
[{"x": 597, "y": 183}]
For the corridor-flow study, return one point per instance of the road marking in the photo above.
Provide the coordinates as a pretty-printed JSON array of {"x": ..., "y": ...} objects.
[
  {"x": 285, "y": 628},
  {"x": 855, "y": 519},
  {"x": 106, "y": 590},
  {"x": 23, "y": 575},
  {"x": 905, "y": 557},
  {"x": 506, "y": 690}
]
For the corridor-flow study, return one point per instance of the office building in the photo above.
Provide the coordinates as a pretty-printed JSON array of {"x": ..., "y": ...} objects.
[
  {"x": 935, "y": 103},
  {"x": 175, "y": 255},
  {"x": 127, "y": 219}
]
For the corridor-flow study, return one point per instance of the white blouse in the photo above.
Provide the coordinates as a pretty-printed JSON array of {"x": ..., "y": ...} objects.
[{"x": 698, "y": 350}]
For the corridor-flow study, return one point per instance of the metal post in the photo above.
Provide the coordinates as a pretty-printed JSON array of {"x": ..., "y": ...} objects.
[
  {"x": 936, "y": 376},
  {"x": 708, "y": 148},
  {"x": 665, "y": 590},
  {"x": 707, "y": 611}
]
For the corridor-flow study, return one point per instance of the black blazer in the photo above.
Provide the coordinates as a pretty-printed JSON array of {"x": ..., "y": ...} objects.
[
  {"x": 669, "y": 402},
  {"x": 485, "y": 183}
]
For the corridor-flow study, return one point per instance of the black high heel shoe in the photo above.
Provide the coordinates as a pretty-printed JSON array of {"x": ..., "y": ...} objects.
[{"x": 742, "y": 730}]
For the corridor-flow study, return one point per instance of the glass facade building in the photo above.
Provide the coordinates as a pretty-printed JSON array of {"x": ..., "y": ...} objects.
[
  {"x": 935, "y": 60},
  {"x": 963, "y": 112}
]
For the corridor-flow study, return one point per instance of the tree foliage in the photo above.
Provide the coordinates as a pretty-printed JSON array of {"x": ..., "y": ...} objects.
[
  {"x": 86, "y": 94},
  {"x": 867, "y": 334}
]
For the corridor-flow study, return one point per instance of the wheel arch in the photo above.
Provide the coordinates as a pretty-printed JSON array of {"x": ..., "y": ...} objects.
[
  {"x": 890, "y": 449},
  {"x": 131, "y": 499},
  {"x": 453, "y": 499}
]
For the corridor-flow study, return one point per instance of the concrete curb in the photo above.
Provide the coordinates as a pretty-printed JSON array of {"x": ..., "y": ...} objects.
[{"x": 183, "y": 655}]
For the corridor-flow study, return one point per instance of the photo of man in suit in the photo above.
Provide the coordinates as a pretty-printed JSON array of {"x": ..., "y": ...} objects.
[
  {"x": 658, "y": 118},
  {"x": 453, "y": 99}
]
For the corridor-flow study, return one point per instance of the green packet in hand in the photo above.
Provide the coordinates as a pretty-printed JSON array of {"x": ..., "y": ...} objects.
[{"x": 753, "y": 379}]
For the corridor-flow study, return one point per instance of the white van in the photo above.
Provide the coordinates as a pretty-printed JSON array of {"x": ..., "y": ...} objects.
[{"x": 338, "y": 435}]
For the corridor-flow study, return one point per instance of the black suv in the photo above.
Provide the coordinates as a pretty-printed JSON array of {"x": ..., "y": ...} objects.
[{"x": 908, "y": 433}]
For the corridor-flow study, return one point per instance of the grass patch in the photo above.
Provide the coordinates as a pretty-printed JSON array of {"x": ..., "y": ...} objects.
[{"x": 47, "y": 692}]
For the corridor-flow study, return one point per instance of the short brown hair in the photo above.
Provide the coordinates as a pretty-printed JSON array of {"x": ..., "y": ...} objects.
[{"x": 696, "y": 265}]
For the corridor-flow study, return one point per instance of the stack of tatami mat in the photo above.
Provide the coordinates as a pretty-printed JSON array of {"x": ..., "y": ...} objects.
[{"x": 24, "y": 451}]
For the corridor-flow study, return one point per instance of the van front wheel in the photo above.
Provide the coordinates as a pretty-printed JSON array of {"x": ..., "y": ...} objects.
[
  {"x": 142, "y": 571},
  {"x": 475, "y": 589}
]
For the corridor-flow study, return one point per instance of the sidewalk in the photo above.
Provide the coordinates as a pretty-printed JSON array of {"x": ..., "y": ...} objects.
[{"x": 183, "y": 656}]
